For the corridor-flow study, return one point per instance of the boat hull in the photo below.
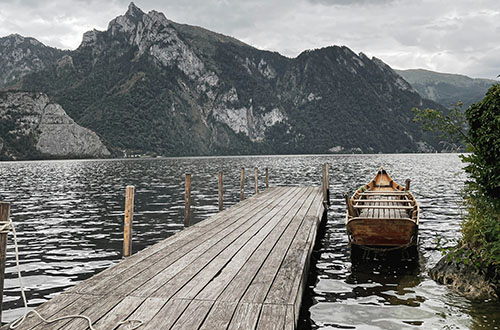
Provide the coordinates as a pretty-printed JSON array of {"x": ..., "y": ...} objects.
[
  {"x": 382, "y": 232},
  {"x": 382, "y": 213}
]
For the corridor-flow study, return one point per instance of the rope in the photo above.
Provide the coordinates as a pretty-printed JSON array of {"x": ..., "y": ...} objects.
[{"x": 5, "y": 227}]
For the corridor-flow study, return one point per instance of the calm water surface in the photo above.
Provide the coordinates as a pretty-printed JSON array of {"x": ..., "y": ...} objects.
[{"x": 69, "y": 215}]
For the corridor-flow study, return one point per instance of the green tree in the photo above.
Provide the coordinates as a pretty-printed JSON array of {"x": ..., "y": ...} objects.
[{"x": 480, "y": 242}]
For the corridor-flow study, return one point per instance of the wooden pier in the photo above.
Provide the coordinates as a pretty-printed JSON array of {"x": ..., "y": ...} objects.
[{"x": 244, "y": 268}]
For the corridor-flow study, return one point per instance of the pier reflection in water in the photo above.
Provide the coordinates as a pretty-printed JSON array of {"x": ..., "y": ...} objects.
[{"x": 69, "y": 218}]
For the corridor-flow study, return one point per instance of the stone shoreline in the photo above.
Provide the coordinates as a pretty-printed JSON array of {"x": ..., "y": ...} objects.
[{"x": 473, "y": 283}]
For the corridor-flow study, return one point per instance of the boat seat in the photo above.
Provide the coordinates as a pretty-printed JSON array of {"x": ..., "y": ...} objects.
[
  {"x": 383, "y": 207},
  {"x": 383, "y": 193},
  {"x": 368, "y": 218},
  {"x": 382, "y": 201}
]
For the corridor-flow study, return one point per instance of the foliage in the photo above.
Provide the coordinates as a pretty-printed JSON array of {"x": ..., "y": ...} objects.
[
  {"x": 481, "y": 231},
  {"x": 329, "y": 99},
  {"x": 451, "y": 124},
  {"x": 484, "y": 135},
  {"x": 480, "y": 242}
]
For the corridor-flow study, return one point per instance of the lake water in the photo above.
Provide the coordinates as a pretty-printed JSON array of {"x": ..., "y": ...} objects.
[{"x": 69, "y": 215}]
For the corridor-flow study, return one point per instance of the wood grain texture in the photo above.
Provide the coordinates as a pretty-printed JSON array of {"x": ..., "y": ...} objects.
[
  {"x": 244, "y": 268},
  {"x": 127, "y": 222},
  {"x": 4, "y": 217}
]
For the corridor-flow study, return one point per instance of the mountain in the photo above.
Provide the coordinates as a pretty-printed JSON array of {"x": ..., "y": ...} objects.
[
  {"x": 447, "y": 89},
  {"x": 33, "y": 127},
  {"x": 147, "y": 84},
  {"x": 21, "y": 56}
]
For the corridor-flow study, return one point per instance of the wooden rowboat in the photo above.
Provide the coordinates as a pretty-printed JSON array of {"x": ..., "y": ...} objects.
[{"x": 382, "y": 214}]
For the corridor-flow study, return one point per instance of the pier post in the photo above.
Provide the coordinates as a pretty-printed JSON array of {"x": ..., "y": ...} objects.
[
  {"x": 324, "y": 183},
  {"x": 327, "y": 175},
  {"x": 127, "y": 224},
  {"x": 256, "y": 181},
  {"x": 4, "y": 220},
  {"x": 352, "y": 210},
  {"x": 407, "y": 185},
  {"x": 187, "y": 200},
  {"x": 221, "y": 198},
  {"x": 267, "y": 178},
  {"x": 242, "y": 184}
]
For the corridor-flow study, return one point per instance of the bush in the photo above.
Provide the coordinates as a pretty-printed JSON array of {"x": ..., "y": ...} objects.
[{"x": 480, "y": 242}]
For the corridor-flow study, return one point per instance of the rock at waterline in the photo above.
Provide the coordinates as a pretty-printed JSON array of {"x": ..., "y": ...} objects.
[
  {"x": 35, "y": 127},
  {"x": 468, "y": 280}
]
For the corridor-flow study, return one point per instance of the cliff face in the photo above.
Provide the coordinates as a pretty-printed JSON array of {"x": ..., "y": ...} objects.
[
  {"x": 20, "y": 56},
  {"x": 149, "y": 84},
  {"x": 32, "y": 126}
]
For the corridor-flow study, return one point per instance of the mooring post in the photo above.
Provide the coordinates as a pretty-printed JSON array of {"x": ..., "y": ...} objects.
[
  {"x": 407, "y": 185},
  {"x": 187, "y": 200},
  {"x": 127, "y": 224},
  {"x": 221, "y": 198},
  {"x": 256, "y": 181},
  {"x": 323, "y": 183},
  {"x": 4, "y": 222},
  {"x": 327, "y": 182},
  {"x": 242, "y": 184},
  {"x": 267, "y": 178}
]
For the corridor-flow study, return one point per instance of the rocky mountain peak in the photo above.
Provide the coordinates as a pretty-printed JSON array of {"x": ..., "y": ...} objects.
[
  {"x": 134, "y": 11},
  {"x": 22, "y": 55},
  {"x": 14, "y": 40}
]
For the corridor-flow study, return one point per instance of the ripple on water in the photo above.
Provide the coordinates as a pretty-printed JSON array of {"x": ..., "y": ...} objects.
[{"x": 69, "y": 219}]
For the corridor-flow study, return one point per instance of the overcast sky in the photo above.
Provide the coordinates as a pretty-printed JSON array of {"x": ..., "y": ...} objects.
[{"x": 455, "y": 36}]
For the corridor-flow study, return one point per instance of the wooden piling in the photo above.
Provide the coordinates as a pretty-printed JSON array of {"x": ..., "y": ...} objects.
[
  {"x": 127, "y": 224},
  {"x": 407, "y": 185},
  {"x": 324, "y": 184},
  {"x": 352, "y": 210},
  {"x": 327, "y": 182},
  {"x": 221, "y": 198},
  {"x": 242, "y": 184},
  {"x": 267, "y": 178},
  {"x": 256, "y": 180},
  {"x": 187, "y": 200},
  {"x": 4, "y": 220}
]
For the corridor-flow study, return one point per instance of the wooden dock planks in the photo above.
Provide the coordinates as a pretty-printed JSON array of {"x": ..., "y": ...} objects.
[{"x": 244, "y": 268}]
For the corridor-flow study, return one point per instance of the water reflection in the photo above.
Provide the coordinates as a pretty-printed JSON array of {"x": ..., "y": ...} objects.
[{"x": 69, "y": 219}]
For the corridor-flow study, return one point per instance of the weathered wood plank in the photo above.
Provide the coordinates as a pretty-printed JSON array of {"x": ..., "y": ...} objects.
[
  {"x": 241, "y": 278},
  {"x": 167, "y": 315},
  {"x": 281, "y": 289},
  {"x": 219, "y": 316},
  {"x": 151, "y": 254},
  {"x": 245, "y": 317},
  {"x": 227, "y": 264},
  {"x": 300, "y": 280},
  {"x": 290, "y": 319},
  {"x": 47, "y": 310},
  {"x": 272, "y": 317},
  {"x": 146, "y": 311},
  {"x": 182, "y": 253},
  {"x": 194, "y": 266},
  {"x": 98, "y": 309},
  {"x": 245, "y": 268},
  {"x": 194, "y": 315},
  {"x": 375, "y": 207},
  {"x": 119, "y": 313},
  {"x": 82, "y": 303},
  {"x": 257, "y": 291},
  {"x": 387, "y": 201}
]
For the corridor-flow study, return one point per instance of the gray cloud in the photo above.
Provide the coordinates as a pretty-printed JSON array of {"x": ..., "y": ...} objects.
[
  {"x": 457, "y": 36},
  {"x": 353, "y": 2}
]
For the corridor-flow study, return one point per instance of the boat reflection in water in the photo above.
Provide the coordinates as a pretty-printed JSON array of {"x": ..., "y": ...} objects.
[{"x": 390, "y": 276}]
